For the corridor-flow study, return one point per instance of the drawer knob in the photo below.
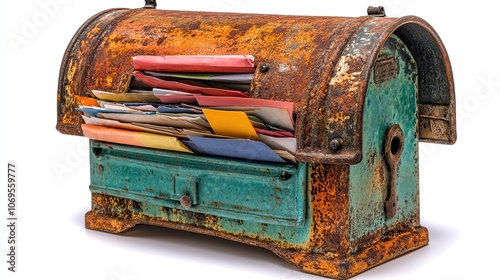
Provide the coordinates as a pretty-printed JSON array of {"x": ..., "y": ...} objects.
[{"x": 186, "y": 201}]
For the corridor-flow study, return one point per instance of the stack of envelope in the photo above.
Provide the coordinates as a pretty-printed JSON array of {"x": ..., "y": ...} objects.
[{"x": 194, "y": 104}]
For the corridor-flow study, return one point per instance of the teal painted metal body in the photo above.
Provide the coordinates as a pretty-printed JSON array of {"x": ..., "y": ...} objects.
[{"x": 391, "y": 102}]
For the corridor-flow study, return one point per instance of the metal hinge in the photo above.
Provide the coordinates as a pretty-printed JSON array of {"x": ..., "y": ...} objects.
[
  {"x": 376, "y": 11},
  {"x": 150, "y": 4}
]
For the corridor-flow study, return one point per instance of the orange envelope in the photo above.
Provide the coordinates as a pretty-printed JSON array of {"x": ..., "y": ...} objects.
[
  {"x": 134, "y": 138},
  {"x": 231, "y": 123}
]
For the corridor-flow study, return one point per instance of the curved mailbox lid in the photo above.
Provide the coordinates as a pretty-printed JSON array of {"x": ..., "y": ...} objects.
[
  {"x": 344, "y": 100},
  {"x": 322, "y": 64}
]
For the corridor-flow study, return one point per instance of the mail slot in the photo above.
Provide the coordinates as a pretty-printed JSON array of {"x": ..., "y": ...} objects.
[{"x": 365, "y": 90}]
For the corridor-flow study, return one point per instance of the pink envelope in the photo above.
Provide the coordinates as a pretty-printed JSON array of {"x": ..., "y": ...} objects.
[{"x": 195, "y": 63}]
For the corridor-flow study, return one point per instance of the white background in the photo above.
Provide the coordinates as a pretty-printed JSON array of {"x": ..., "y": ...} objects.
[{"x": 459, "y": 184}]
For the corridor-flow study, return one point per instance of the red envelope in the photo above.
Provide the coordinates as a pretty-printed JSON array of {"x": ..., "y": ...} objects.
[
  {"x": 273, "y": 132},
  {"x": 159, "y": 83},
  {"x": 176, "y": 98}
]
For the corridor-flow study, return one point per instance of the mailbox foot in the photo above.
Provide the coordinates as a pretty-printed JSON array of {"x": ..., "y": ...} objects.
[
  {"x": 103, "y": 222},
  {"x": 329, "y": 265}
]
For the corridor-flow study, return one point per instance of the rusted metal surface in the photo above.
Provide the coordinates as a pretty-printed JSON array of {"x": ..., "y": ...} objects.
[
  {"x": 150, "y": 4},
  {"x": 289, "y": 46},
  {"x": 319, "y": 63},
  {"x": 378, "y": 253},
  {"x": 74, "y": 69},
  {"x": 376, "y": 11},
  {"x": 330, "y": 208},
  {"x": 434, "y": 122},
  {"x": 385, "y": 69},
  {"x": 344, "y": 100}
]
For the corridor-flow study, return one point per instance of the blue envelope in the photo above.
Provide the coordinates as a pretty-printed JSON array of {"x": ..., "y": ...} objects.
[
  {"x": 94, "y": 111},
  {"x": 233, "y": 148}
]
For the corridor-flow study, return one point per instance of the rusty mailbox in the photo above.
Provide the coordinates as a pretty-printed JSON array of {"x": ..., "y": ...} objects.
[{"x": 365, "y": 91}]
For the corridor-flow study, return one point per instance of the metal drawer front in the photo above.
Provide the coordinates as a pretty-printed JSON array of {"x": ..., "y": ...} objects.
[{"x": 266, "y": 193}]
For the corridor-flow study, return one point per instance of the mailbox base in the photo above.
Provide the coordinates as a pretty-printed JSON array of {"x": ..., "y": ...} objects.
[
  {"x": 329, "y": 264},
  {"x": 374, "y": 255}
]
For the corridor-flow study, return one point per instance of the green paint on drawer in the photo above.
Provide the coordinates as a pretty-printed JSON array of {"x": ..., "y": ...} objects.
[{"x": 241, "y": 190}]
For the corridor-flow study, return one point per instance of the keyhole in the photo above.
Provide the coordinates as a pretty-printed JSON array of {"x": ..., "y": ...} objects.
[{"x": 395, "y": 145}]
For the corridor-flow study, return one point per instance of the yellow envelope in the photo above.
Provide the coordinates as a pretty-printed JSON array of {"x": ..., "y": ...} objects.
[
  {"x": 231, "y": 123},
  {"x": 126, "y": 96}
]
